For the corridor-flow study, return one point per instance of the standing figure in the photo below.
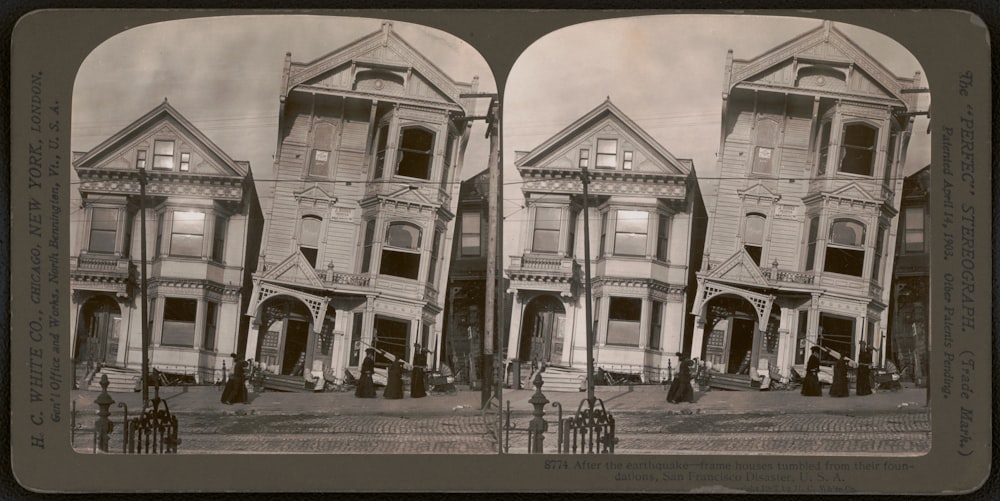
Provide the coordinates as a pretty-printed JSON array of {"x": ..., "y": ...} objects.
[
  {"x": 810, "y": 386},
  {"x": 394, "y": 381},
  {"x": 417, "y": 388},
  {"x": 235, "y": 391},
  {"x": 366, "y": 387},
  {"x": 680, "y": 388},
  {"x": 839, "y": 388},
  {"x": 864, "y": 384}
]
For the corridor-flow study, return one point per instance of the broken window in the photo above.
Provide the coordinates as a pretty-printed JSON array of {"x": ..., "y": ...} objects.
[
  {"x": 845, "y": 251},
  {"x": 753, "y": 236},
  {"x": 309, "y": 238},
  {"x": 416, "y": 146},
  {"x": 858, "y": 150},
  {"x": 401, "y": 251},
  {"x": 624, "y": 316}
]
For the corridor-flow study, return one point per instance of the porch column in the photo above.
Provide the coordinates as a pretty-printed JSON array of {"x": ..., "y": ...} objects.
[
  {"x": 340, "y": 351},
  {"x": 812, "y": 333},
  {"x": 786, "y": 342},
  {"x": 368, "y": 328},
  {"x": 252, "y": 335},
  {"x": 514, "y": 339},
  {"x": 699, "y": 337}
]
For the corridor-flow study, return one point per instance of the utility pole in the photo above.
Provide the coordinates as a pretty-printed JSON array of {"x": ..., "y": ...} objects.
[
  {"x": 491, "y": 354},
  {"x": 585, "y": 180},
  {"x": 143, "y": 288}
]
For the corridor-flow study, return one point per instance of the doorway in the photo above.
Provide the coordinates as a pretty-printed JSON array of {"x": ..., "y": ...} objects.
[
  {"x": 390, "y": 336},
  {"x": 294, "y": 354},
  {"x": 740, "y": 345},
  {"x": 543, "y": 337},
  {"x": 97, "y": 339}
]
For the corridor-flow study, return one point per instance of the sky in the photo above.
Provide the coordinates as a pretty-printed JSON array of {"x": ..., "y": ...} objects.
[
  {"x": 664, "y": 72},
  {"x": 224, "y": 75}
]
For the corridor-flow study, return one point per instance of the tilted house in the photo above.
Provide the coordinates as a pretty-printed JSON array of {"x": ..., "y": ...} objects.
[
  {"x": 203, "y": 227},
  {"x": 371, "y": 140},
  {"x": 646, "y": 222},
  {"x": 799, "y": 245}
]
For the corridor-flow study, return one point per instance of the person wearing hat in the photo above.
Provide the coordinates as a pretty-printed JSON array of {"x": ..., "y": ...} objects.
[
  {"x": 680, "y": 388},
  {"x": 394, "y": 381},
  {"x": 366, "y": 386},
  {"x": 810, "y": 386},
  {"x": 235, "y": 391},
  {"x": 417, "y": 388}
]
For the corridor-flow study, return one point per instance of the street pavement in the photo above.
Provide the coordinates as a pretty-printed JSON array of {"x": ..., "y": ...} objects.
[{"x": 727, "y": 422}]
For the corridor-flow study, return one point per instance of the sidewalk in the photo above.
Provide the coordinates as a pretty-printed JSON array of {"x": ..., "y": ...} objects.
[{"x": 638, "y": 399}]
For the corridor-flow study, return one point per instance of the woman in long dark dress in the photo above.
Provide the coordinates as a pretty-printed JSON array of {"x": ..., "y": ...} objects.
[
  {"x": 417, "y": 389},
  {"x": 680, "y": 388},
  {"x": 864, "y": 385},
  {"x": 810, "y": 386},
  {"x": 394, "y": 381},
  {"x": 235, "y": 391},
  {"x": 366, "y": 387},
  {"x": 839, "y": 387}
]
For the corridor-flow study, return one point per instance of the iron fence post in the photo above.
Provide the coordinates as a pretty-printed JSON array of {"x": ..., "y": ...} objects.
[
  {"x": 538, "y": 426},
  {"x": 103, "y": 424}
]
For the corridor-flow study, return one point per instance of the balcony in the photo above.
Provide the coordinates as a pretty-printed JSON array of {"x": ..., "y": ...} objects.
[
  {"x": 103, "y": 265},
  {"x": 351, "y": 279},
  {"x": 540, "y": 272},
  {"x": 775, "y": 276}
]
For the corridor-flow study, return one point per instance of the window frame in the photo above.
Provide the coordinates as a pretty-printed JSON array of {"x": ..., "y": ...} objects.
[
  {"x": 167, "y": 158},
  {"x": 844, "y": 249},
  {"x": 381, "y": 147},
  {"x": 185, "y": 163},
  {"x": 301, "y": 243},
  {"x": 908, "y": 230},
  {"x": 470, "y": 236},
  {"x": 402, "y": 149},
  {"x": 321, "y": 145},
  {"x": 605, "y": 159},
  {"x": 219, "y": 238},
  {"x": 106, "y": 231},
  {"x": 663, "y": 237},
  {"x": 172, "y": 309},
  {"x": 617, "y": 318},
  {"x": 747, "y": 244},
  {"x": 545, "y": 230},
  {"x": 627, "y": 160},
  {"x": 211, "y": 329},
  {"x": 630, "y": 233},
  {"x": 584, "y": 159},
  {"x": 845, "y": 149},
  {"x": 140, "y": 158},
  {"x": 413, "y": 253},
  {"x": 655, "y": 325},
  {"x": 173, "y": 250}
]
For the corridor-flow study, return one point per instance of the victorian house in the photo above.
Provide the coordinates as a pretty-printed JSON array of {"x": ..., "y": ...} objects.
[
  {"x": 466, "y": 298},
  {"x": 646, "y": 225},
  {"x": 370, "y": 143},
  {"x": 203, "y": 227},
  {"x": 908, "y": 342},
  {"x": 799, "y": 245}
]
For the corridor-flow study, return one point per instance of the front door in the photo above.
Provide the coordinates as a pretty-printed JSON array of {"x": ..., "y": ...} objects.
[
  {"x": 294, "y": 354},
  {"x": 556, "y": 338},
  {"x": 740, "y": 345}
]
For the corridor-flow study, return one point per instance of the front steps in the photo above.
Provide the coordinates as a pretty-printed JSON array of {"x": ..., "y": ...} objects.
[
  {"x": 563, "y": 379},
  {"x": 119, "y": 380}
]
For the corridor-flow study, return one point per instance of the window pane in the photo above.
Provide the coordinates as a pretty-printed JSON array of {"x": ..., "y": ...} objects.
[
  {"x": 630, "y": 233},
  {"x": 754, "y": 231},
  {"x": 914, "y": 218},
  {"x": 211, "y": 319},
  {"x": 219, "y": 239},
  {"x": 845, "y": 261},
  {"x": 104, "y": 219},
  {"x": 403, "y": 236},
  {"x": 383, "y": 133},
  {"x": 186, "y": 245},
  {"x": 189, "y": 222},
  {"x": 545, "y": 241},
  {"x": 847, "y": 233},
  {"x": 632, "y": 221},
  {"x": 163, "y": 155},
  {"x": 607, "y": 153},
  {"x": 400, "y": 264},
  {"x": 178, "y": 322},
  {"x": 655, "y": 325},
  {"x": 366, "y": 259},
  {"x": 547, "y": 218},
  {"x": 310, "y": 231},
  {"x": 824, "y": 146},
  {"x": 584, "y": 157},
  {"x": 415, "y": 153},
  {"x": 607, "y": 146},
  {"x": 163, "y": 148},
  {"x": 623, "y": 321},
  {"x": 662, "y": 238},
  {"x": 859, "y": 149},
  {"x": 471, "y": 223}
]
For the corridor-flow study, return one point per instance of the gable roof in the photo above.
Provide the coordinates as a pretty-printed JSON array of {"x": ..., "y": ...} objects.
[
  {"x": 605, "y": 111},
  {"x": 164, "y": 112},
  {"x": 296, "y": 270},
  {"x": 828, "y": 44},
  {"x": 740, "y": 268},
  {"x": 379, "y": 48}
]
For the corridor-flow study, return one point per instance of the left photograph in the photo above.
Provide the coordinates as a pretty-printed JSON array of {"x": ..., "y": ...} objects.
[{"x": 273, "y": 218}]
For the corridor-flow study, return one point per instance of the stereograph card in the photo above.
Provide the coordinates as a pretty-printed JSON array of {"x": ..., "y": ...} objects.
[{"x": 603, "y": 251}]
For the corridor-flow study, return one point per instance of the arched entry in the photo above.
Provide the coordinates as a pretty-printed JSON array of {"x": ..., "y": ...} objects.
[
  {"x": 735, "y": 341},
  {"x": 542, "y": 332},
  {"x": 99, "y": 329},
  {"x": 287, "y": 343}
]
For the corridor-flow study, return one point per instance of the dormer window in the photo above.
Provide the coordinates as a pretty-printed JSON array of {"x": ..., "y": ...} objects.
[
  {"x": 416, "y": 147},
  {"x": 163, "y": 154},
  {"x": 607, "y": 153}
]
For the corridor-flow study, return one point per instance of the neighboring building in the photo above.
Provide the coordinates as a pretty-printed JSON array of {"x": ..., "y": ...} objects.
[
  {"x": 646, "y": 223},
  {"x": 907, "y": 345},
  {"x": 814, "y": 136},
  {"x": 203, "y": 227},
  {"x": 466, "y": 301},
  {"x": 371, "y": 140}
]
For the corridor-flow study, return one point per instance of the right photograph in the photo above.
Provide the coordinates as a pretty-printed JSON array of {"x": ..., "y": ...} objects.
[{"x": 720, "y": 217}]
